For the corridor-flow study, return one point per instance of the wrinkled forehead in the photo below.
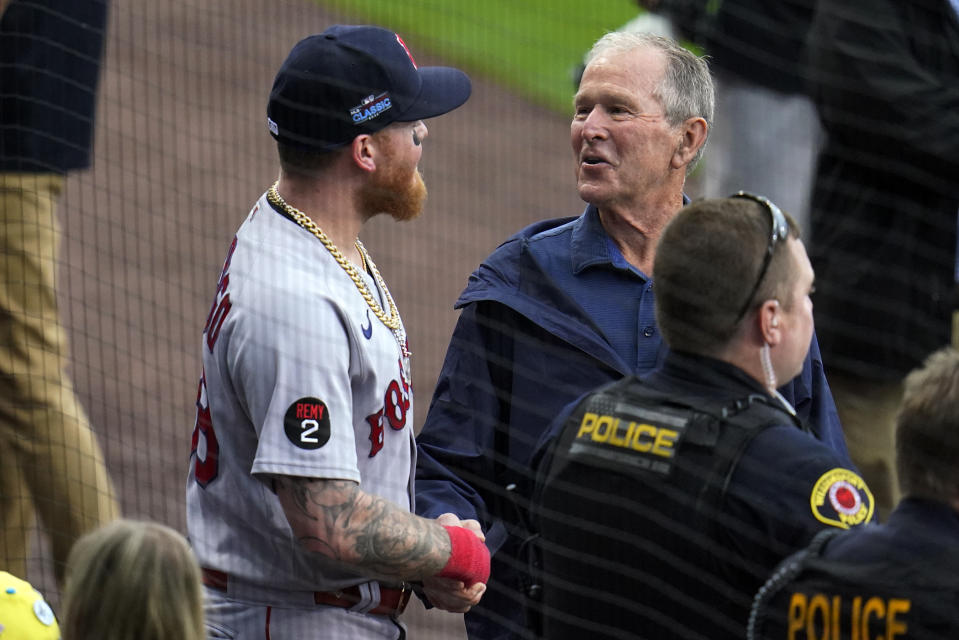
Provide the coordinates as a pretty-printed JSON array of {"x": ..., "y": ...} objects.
[{"x": 636, "y": 72}]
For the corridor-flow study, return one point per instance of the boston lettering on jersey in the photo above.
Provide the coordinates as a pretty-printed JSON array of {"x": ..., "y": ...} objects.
[
  {"x": 204, "y": 446},
  {"x": 221, "y": 301},
  {"x": 396, "y": 404}
]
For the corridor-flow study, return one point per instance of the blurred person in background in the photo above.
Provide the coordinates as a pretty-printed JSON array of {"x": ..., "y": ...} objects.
[
  {"x": 886, "y": 81},
  {"x": 132, "y": 580},
  {"x": 665, "y": 502},
  {"x": 50, "y": 56},
  {"x": 567, "y": 304},
  {"x": 899, "y": 579}
]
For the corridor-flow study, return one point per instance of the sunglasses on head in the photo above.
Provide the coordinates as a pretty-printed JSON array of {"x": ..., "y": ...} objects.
[{"x": 779, "y": 233}]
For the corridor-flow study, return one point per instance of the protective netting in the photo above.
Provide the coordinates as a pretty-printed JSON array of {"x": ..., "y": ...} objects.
[{"x": 182, "y": 151}]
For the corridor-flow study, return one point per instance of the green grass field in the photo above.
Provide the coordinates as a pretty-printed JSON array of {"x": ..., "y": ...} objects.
[{"x": 530, "y": 46}]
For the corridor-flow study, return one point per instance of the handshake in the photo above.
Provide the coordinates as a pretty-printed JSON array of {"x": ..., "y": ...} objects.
[{"x": 462, "y": 582}]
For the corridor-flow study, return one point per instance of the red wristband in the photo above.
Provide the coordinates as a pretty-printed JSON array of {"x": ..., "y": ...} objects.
[{"x": 469, "y": 557}]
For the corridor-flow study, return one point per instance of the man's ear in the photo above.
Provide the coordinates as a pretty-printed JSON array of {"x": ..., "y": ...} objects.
[
  {"x": 693, "y": 137},
  {"x": 770, "y": 321},
  {"x": 364, "y": 152}
]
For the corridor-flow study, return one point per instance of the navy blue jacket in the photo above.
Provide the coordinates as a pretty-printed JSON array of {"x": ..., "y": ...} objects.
[
  {"x": 539, "y": 321},
  {"x": 50, "y": 55}
]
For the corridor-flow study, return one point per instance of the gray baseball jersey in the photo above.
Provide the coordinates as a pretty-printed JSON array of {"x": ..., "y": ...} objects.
[{"x": 299, "y": 378}]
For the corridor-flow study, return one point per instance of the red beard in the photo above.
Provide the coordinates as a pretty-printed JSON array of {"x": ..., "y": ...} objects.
[{"x": 393, "y": 190}]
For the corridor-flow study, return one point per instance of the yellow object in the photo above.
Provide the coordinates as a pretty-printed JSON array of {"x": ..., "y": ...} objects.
[{"x": 24, "y": 614}]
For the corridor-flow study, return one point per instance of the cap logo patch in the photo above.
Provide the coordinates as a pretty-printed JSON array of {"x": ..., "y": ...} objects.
[
  {"x": 275, "y": 130},
  {"x": 371, "y": 107},
  {"x": 307, "y": 423},
  {"x": 840, "y": 498},
  {"x": 43, "y": 612},
  {"x": 407, "y": 49}
]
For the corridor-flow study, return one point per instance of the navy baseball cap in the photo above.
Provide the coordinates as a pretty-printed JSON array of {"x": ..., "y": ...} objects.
[{"x": 351, "y": 80}]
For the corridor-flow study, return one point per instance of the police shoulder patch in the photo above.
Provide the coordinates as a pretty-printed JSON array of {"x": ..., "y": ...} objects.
[
  {"x": 840, "y": 498},
  {"x": 307, "y": 423}
]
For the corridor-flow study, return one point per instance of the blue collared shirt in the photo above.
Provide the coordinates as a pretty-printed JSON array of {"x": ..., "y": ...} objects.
[{"x": 597, "y": 279}]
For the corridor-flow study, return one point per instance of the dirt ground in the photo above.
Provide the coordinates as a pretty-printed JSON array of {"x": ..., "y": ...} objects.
[{"x": 182, "y": 152}]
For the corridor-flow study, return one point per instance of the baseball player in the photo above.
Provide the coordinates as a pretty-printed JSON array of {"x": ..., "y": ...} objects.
[{"x": 300, "y": 488}]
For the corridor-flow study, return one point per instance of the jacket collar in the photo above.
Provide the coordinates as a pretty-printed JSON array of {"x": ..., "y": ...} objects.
[
  {"x": 709, "y": 373},
  {"x": 716, "y": 379}
]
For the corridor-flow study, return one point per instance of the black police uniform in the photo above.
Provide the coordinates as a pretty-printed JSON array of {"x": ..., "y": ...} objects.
[
  {"x": 896, "y": 580},
  {"x": 662, "y": 506}
]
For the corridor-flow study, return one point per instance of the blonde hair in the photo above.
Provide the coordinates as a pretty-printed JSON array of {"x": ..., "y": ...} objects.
[
  {"x": 132, "y": 580},
  {"x": 927, "y": 429}
]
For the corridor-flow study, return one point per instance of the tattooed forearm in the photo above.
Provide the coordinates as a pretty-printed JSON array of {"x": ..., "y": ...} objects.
[{"x": 337, "y": 519}]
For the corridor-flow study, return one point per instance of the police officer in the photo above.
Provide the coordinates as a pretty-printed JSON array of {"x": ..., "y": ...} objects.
[
  {"x": 897, "y": 580},
  {"x": 663, "y": 504}
]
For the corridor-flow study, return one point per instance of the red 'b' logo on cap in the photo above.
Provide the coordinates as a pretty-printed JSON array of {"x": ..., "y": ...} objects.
[{"x": 407, "y": 49}]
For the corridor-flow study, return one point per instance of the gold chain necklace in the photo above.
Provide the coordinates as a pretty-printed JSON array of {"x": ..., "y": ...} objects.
[{"x": 392, "y": 321}]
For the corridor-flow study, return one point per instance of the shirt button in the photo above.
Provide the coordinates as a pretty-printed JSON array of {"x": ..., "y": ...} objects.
[{"x": 649, "y": 331}]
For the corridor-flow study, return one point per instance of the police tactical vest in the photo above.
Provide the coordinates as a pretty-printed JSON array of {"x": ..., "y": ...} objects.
[
  {"x": 635, "y": 483},
  {"x": 811, "y": 596},
  {"x": 627, "y": 426}
]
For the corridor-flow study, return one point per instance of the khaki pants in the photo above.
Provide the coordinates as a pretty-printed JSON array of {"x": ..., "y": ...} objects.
[
  {"x": 867, "y": 410},
  {"x": 51, "y": 463}
]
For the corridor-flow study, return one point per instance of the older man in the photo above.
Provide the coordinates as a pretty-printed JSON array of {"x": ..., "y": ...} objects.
[{"x": 567, "y": 304}]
